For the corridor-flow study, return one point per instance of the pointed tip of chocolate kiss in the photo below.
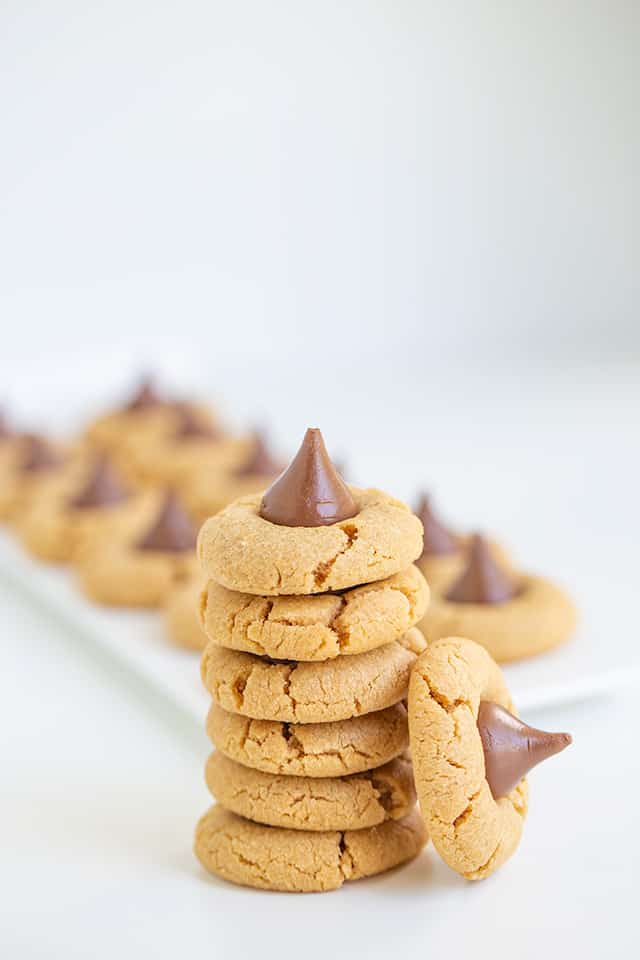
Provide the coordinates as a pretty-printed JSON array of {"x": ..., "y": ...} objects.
[
  {"x": 310, "y": 492},
  {"x": 260, "y": 462},
  {"x": 482, "y": 580},
  {"x": 172, "y": 531},
  {"x": 438, "y": 541},
  {"x": 512, "y": 748},
  {"x": 145, "y": 396},
  {"x": 193, "y": 426},
  {"x": 103, "y": 488},
  {"x": 39, "y": 455}
]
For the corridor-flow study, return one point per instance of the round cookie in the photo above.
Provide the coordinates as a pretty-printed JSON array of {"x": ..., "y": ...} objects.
[
  {"x": 181, "y": 616},
  {"x": 297, "y": 861},
  {"x": 244, "y": 552},
  {"x": 311, "y": 749},
  {"x": 473, "y": 832},
  {"x": 318, "y": 627},
  {"x": 311, "y": 692},
  {"x": 538, "y": 618},
  {"x": 301, "y": 803},
  {"x": 141, "y": 569},
  {"x": 67, "y": 518}
]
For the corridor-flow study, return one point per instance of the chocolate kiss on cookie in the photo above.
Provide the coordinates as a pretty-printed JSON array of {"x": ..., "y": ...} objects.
[
  {"x": 103, "y": 488},
  {"x": 438, "y": 541},
  {"x": 310, "y": 493},
  {"x": 39, "y": 455},
  {"x": 482, "y": 581},
  {"x": 192, "y": 427},
  {"x": 145, "y": 397},
  {"x": 260, "y": 463},
  {"x": 511, "y": 748},
  {"x": 172, "y": 531}
]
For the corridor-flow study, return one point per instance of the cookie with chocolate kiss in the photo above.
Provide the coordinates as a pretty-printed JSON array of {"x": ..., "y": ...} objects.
[
  {"x": 91, "y": 505},
  {"x": 512, "y": 615},
  {"x": 308, "y": 533},
  {"x": 471, "y": 755},
  {"x": 141, "y": 567}
]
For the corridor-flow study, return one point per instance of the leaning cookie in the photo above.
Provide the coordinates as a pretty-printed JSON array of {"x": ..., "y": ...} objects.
[
  {"x": 301, "y": 803},
  {"x": 182, "y": 617},
  {"x": 310, "y": 692},
  {"x": 311, "y": 749},
  {"x": 318, "y": 627},
  {"x": 470, "y": 756},
  {"x": 298, "y": 861},
  {"x": 139, "y": 570},
  {"x": 512, "y": 616}
]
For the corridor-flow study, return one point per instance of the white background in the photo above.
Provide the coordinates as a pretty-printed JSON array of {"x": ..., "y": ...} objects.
[{"x": 414, "y": 225}]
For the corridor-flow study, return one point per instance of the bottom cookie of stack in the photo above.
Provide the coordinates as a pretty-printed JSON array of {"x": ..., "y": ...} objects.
[{"x": 302, "y": 861}]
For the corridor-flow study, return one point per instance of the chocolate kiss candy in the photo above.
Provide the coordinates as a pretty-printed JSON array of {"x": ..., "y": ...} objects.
[
  {"x": 260, "y": 462},
  {"x": 144, "y": 398},
  {"x": 437, "y": 539},
  {"x": 172, "y": 532},
  {"x": 310, "y": 493},
  {"x": 482, "y": 581},
  {"x": 192, "y": 427},
  {"x": 511, "y": 748},
  {"x": 103, "y": 488},
  {"x": 39, "y": 455}
]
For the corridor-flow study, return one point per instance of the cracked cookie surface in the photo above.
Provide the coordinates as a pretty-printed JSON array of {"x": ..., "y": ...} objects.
[
  {"x": 539, "y": 617},
  {"x": 318, "y": 627},
  {"x": 311, "y": 749},
  {"x": 311, "y": 692},
  {"x": 472, "y": 832},
  {"x": 181, "y": 615},
  {"x": 276, "y": 858},
  {"x": 302, "y": 803},
  {"x": 244, "y": 552}
]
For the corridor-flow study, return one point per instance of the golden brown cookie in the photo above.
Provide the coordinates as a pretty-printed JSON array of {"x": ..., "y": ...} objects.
[
  {"x": 141, "y": 569},
  {"x": 181, "y": 615},
  {"x": 66, "y": 518},
  {"x": 318, "y": 627},
  {"x": 30, "y": 467},
  {"x": 311, "y": 749},
  {"x": 473, "y": 832},
  {"x": 539, "y": 617},
  {"x": 310, "y": 692},
  {"x": 302, "y": 803},
  {"x": 275, "y": 858},
  {"x": 244, "y": 552}
]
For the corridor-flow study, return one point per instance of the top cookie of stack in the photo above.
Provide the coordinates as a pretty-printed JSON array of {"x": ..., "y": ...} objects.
[{"x": 310, "y": 608}]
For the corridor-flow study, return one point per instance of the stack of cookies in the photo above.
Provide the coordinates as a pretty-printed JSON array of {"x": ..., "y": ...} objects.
[{"x": 309, "y": 607}]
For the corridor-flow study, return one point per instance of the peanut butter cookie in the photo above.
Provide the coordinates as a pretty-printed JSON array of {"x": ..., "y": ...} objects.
[
  {"x": 140, "y": 570},
  {"x": 241, "y": 550},
  {"x": 470, "y": 756},
  {"x": 318, "y": 627},
  {"x": 512, "y": 615},
  {"x": 311, "y": 692},
  {"x": 301, "y": 803},
  {"x": 311, "y": 749},
  {"x": 298, "y": 861}
]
